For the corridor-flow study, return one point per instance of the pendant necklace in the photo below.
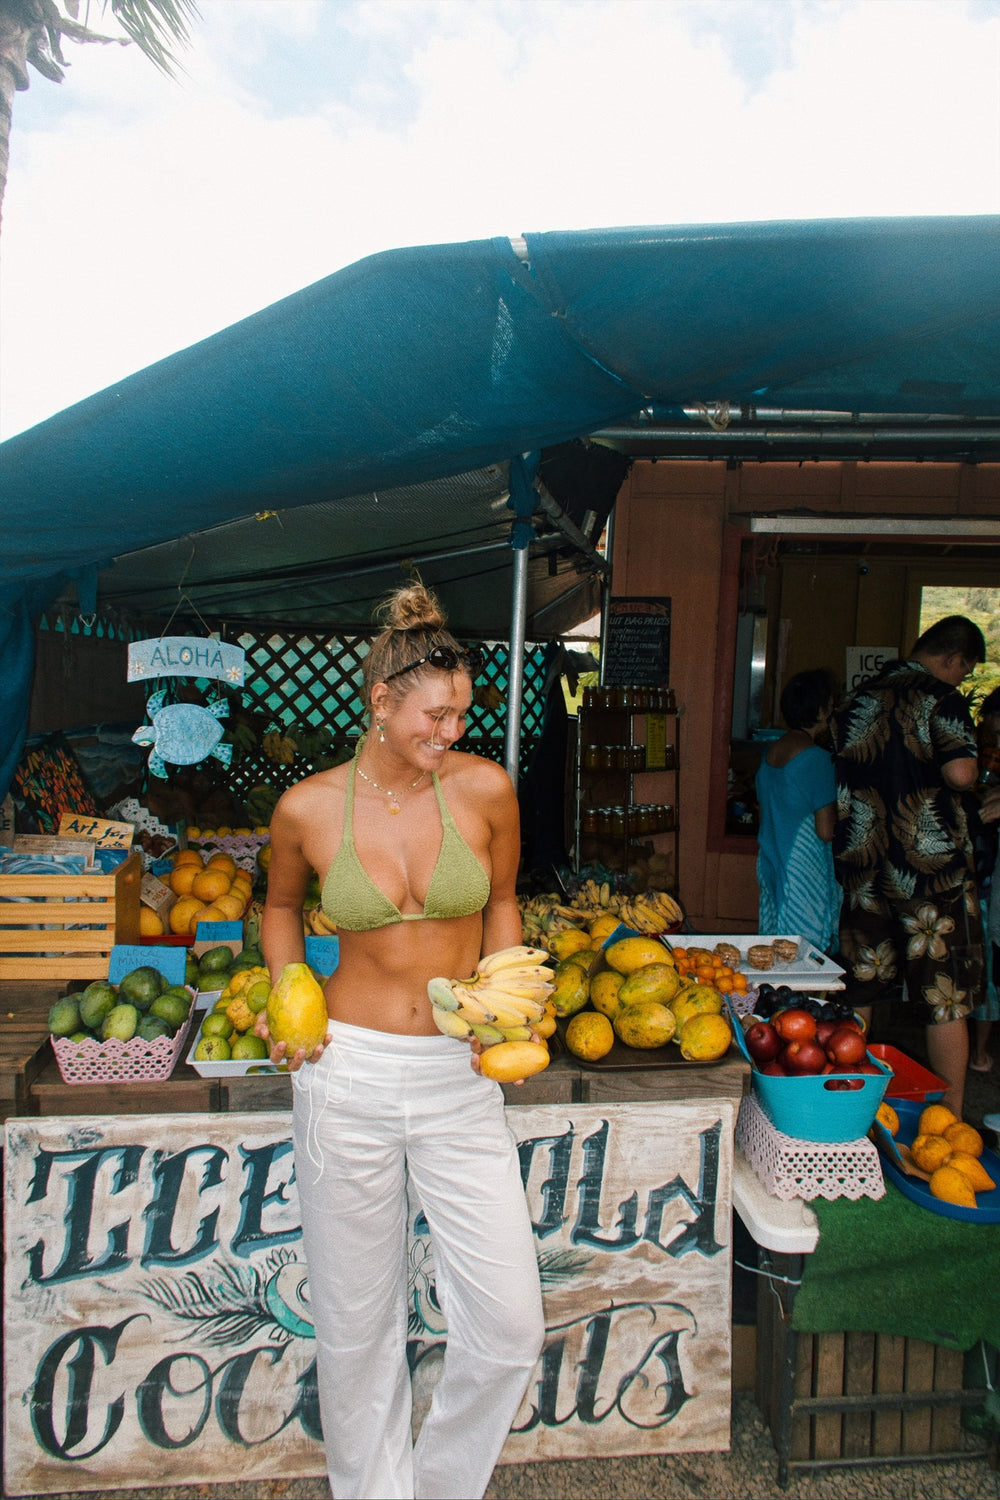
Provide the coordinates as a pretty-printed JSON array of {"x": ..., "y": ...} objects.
[{"x": 394, "y": 806}]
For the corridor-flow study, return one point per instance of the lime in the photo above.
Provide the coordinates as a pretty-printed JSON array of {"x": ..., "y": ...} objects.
[
  {"x": 248, "y": 1046},
  {"x": 257, "y": 995},
  {"x": 141, "y": 987},
  {"x": 217, "y": 1024},
  {"x": 212, "y": 1049}
]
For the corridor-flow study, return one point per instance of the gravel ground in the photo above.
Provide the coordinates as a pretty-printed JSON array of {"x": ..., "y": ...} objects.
[{"x": 747, "y": 1472}]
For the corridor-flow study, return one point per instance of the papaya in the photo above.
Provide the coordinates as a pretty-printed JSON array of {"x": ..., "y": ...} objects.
[
  {"x": 509, "y": 1061},
  {"x": 296, "y": 1009}
]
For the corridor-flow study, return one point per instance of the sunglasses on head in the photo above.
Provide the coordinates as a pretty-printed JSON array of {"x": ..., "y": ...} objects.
[{"x": 446, "y": 660}]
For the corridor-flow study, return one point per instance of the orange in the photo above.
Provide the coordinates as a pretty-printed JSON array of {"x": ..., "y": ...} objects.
[
  {"x": 964, "y": 1137},
  {"x": 182, "y": 878},
  {"x": 930, "y": 1152},
  {"x": 948, "y": 1184},
  {"x": 887, "y": 1116},
  {"x": 934, "y": 1118},
  {"x": 973, "y": 1170},
  {"x": 205, "y": 913},
  {"x": 230, "y": 905},
  {"x": 210, "y": 883},
  {"x": 180, "y": 913},
  {"x": 222, "y": 861},
  {"x": 150, "y": 924},
  {"x": 187, "y": 857}
]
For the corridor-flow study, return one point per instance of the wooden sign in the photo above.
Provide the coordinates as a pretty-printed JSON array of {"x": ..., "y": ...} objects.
[
  {"x": 54, "y": 843},
  {"x": 638, "y": 643},
  {"x": 106, "y": 834},
  {"x": 186, "y": 656},
  {"x": 157, "y": 1327}
]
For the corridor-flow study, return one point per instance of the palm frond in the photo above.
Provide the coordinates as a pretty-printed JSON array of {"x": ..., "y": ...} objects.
[{"x": 157, "y": 27}]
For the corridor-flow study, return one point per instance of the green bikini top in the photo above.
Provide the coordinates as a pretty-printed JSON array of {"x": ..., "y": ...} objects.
[{"x": 459, "y": 886}]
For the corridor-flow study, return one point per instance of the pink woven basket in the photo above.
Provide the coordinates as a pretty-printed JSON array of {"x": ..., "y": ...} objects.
[{"x": 120, "y": 1062}]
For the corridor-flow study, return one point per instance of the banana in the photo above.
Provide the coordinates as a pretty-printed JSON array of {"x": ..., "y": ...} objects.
[
  {"x": 521, "y": 989},
  {"x": 505, "y": 1016},
  {"x": 471, "y": 1007},
  {"x": 506, "y": 958},
  {"x": 442, "y": 994},
  {"x": 517, "y": 1033},
  {"x": 489, "y": 1036},
  {"x": 509, "y": 1011},
  {"x": 450, "y": 1023}
]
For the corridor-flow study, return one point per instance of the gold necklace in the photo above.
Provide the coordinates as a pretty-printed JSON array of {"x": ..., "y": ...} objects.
[{"x": 393, "y": 797}]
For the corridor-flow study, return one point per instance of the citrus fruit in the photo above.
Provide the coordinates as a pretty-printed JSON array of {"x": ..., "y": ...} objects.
[
  {"x": 887, "y": 1116},
  {"x": 705, "y": 1037},
  {"x": 604, "y": 989},
  {"x": 632, "y": 953},
  {"x": 217, "y": 1023},
  {"x": 220, "y": 861},
  {"x": 657, "y": 981},
  {"x": 182, "y": 878},
  {"x": 930, "y": 1152},
  {"x": 572, "y": 940},
  {"x": 590, "y": 1036},
  {"x": 150, "y": 922},
  {"x": 256, "y": 995},
  {"x": 247, "y": 1047},
  {"x": 934, "y": 1118},
  {"x": 193, "y": 832},
  {"x": 951, "y": 1186},
  {"x": 187, "y": 857},
  {"x": 964, "y": 1137},
  {"x": 972, "y": 1168},
  {"x": 181, "y": 912},
  {"x": 230, "y": 905},
  {"x": 647, "y": 1024},
  {"x": 212, "y": 1049},
  {"x": 211, "y": 882},
  {"x": 210, "y": 913}
]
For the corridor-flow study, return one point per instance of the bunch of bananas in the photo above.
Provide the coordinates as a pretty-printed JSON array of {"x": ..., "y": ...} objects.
[
  {"x": 280, "y": 748},
  {"x": 504, "y": 1005},
  {"x": 542, "y": 917},
  {"x": 316, "y": 921},
  {"x": 653, "y": 911}
]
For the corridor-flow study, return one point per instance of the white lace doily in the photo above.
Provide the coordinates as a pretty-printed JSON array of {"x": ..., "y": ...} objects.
[{"x": 790, "y": 1168}]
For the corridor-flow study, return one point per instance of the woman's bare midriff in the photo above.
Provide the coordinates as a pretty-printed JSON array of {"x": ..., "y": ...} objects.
[{"x": 380, "y": 981}]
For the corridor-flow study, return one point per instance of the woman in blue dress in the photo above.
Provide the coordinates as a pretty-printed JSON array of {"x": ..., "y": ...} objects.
[{"x": 799, "y": 894}]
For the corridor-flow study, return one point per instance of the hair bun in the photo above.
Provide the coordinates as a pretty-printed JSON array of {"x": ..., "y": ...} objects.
[{"x": 412, "y": 607}]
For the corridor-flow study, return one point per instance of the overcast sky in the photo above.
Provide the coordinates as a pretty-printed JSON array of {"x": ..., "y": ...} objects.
[{"x": 143, "y": 214}]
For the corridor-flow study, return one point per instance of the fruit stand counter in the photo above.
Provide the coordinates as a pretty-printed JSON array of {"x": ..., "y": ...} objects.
[{"x": 159, "y": 1245}]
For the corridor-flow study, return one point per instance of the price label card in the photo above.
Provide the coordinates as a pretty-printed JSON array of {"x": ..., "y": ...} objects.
[
  {"x": 106, "y": 834},
  {"x": 656, "y": 742},
  {"x": 154, "y": 893}
]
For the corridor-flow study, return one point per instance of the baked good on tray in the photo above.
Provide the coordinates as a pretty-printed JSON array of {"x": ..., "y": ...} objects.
[
  {"x": 761, "y": 956},
  {"x": 785, "y": 951},
  {"x": 729, "y": 954}
]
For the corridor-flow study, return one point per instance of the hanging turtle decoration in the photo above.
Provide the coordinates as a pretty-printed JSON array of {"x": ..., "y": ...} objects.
[{"x": 183, "y": 733}]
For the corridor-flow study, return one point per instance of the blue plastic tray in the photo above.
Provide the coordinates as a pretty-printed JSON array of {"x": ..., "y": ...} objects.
[{"x": 987, "y": 1209}]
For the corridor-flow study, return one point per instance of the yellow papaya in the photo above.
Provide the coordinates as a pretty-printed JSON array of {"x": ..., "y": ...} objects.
[
  {"x": 296, "y": 1009},
  {"x": 509, "y": 1061}
]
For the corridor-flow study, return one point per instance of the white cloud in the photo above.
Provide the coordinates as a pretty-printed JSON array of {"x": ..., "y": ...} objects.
[{"x": 142, "y": 215}]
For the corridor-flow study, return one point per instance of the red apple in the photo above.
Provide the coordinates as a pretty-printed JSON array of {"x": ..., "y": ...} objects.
[
  {"x": 763, "y": 1042},
  {"x": 825, "y": 1030},
  {"x": 846, "y": 1047},
  {"x": 774, "y": 1069},
  {"x": 803, "y": 1057},
  {"x": 795, "y": 1025}
]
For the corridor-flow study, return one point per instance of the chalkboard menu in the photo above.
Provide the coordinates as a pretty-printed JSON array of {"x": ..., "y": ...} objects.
[{"x": 638, "y": 647}]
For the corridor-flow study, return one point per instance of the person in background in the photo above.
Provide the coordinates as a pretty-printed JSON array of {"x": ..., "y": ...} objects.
[
  {"x": 417, "y": 845},
  {"x": 796, "y": 793},
  {"x": 987, "y": 850},
  {"x": 905, "y": 751}
]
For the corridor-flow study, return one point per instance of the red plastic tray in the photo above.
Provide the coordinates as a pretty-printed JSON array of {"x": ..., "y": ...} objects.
[{"x": 909, "y": 1079}]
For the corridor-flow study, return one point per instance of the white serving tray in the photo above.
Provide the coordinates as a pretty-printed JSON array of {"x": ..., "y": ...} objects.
[
  {"x": 237, "y": 1069},
  {"x": 810, "y": 970}
]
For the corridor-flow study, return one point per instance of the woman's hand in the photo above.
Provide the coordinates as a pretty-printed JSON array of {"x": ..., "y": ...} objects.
[{"x": 279, "y": 1050}]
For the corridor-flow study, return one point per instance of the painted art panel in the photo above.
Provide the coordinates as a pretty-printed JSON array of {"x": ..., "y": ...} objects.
[{"x": 157, "y": 1325}]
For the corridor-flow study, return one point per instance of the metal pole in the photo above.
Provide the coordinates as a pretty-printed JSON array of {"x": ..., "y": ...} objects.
[
  {"x": 515, "y": 666},
  {"x": 607, "y": 580}
]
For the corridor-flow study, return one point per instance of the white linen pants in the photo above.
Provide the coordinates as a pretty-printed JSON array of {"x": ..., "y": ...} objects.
[{"x": 373, "y": 1107}]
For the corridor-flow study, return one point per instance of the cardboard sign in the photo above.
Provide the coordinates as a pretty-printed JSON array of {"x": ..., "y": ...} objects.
[
  {"x": 153, "y": 893},
  {"x": 105, "y": 833},
  {"x": 865, "y": 661},
  {"x": 54, "y": 843}
]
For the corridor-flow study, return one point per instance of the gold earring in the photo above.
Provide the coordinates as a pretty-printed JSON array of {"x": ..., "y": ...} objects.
[{"x": 380, "y": 726}]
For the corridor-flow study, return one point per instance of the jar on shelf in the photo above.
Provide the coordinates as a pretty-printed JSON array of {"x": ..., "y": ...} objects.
[
  {"x": 604, "y": 822},
  {"x": 617, "y": 821},
  {"x": 666, "y": 818},
  {"x": 637, "y": 757},
  {"x": 669, "y": 757},
  {"x": 591, "y": 756},
  {"x": 589, "y": 821}
]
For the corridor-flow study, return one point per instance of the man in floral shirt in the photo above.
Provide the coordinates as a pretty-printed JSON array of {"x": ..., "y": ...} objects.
[{"x": 905, "y": 750}]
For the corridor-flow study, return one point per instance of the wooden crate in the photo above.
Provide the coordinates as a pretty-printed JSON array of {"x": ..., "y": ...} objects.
[
  {"x": 846, "y": 1398},
  {"x": 83, "y": 916}
]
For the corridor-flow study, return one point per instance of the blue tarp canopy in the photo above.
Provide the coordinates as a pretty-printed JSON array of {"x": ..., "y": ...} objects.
[{"x": 286, "y": 467}]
